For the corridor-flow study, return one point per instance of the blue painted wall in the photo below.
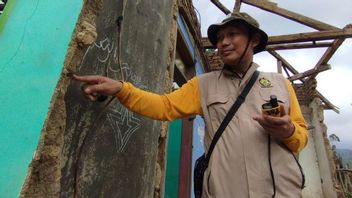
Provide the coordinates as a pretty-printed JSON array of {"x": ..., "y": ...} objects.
[{"x": 34, "y": 36}]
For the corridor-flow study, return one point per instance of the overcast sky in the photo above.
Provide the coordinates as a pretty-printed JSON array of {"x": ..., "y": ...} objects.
[{"x": 335, "y": 83}]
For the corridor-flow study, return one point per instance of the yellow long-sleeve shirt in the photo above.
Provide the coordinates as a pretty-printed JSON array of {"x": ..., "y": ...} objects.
[{"x": 186, "y": 102}]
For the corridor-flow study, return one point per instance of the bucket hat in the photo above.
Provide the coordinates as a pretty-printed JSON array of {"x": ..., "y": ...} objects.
[{"x": 239, "y": 18}]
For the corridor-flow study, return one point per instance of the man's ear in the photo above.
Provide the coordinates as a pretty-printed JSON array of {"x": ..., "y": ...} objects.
[{"x": 255, "y": 40}]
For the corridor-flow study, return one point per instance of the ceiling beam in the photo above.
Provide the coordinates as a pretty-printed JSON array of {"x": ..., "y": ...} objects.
[
  {"x": 327, "y": 55},
  {"x": 327, "y": 102},
  {"x": 309, "y": 73},
  {"x": 273, "y": 8},
  {"x": 327, "y": 32},
  {"x": 310, "y": 36},
  {"x": 298, "y": 46},
  {"x": 237, "y": 6},
  {"x": 300, "y": 37},
  {"x": 218, "y": 4},
  {"x": 284, "y": 62}
]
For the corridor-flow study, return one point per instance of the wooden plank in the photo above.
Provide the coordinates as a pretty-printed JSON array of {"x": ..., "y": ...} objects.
[
  {"x": 218, "y": 4},
  {"x": 282, "y": 46},
  {"x": 328, "y": 54},
  {"x": 299, "y": 37},
  {"x": 196, "y": 34},
  {"x": 344, "y": 170},
  {"x": 183, "y": 50},
  {"x": 300, "y": 76},
  {"x": 279, "y": 66},
  {"x": 328, "y": 104},
  {"x": 190, "y": 21},
  {"x": 286, "y": 71},
  {"x": 237, "y": 6},
  {"x": 284, "y": 62},
  {"x": 298, "y": 46},
  {"x": 294, "y": 71},
  {"x": 185, "y": 177},
  {"x": 273, "y": 8},
  {"x": 179, "y": 77},
  {"x": 310, "y": 36}
]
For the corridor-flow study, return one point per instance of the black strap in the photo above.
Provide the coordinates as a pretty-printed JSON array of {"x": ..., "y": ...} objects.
[{"x": 240, "y": 99}]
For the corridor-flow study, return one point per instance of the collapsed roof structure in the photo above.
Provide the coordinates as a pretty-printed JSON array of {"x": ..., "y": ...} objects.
[{"x": 318, "y": 39}]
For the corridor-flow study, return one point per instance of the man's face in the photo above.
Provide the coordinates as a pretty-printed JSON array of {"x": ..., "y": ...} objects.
[{"x": 232, "y": 42}]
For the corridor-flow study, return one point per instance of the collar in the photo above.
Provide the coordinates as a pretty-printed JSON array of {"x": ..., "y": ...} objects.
[{"x": 234, "y": 74}]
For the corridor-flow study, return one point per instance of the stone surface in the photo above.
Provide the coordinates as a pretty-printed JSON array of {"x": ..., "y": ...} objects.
[
  {"x": 87, "y": 150},
  {"x": 112, "y": 151}
]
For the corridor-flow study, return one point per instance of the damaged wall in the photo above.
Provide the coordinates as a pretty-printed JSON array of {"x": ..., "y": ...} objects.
[
  {"x": 316, "y": 158},
  {"x": 322, "y": 156},
  {"x": 86, "y": 149}
]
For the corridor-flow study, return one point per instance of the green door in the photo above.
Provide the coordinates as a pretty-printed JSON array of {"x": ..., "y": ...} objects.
[{"x": 173, "y": 159}]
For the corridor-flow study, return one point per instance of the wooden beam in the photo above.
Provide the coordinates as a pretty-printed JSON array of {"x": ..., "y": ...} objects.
[
  {"x": 298, "y": 46},
  {"x": 284, "y": 62},
  {"x": 310, "y": 36},
  {"x": 221, "y": 6},
  {"x": 183, "y": 50},
  {"x": 179, "y": 77},
  {"x": 279, "y": 66},
  {"x": 300, "y": 37},
  {"x": 237, "y": 6},
  {"x": 190, "y": 22},
  {"x": 344, "y": 170},
  {"x": 327, "y": 55},
  {"x": 285, "y": 68},
  {"x": 195, "y": 32},
  {"x": 329, "y": 52},
  {"x": 185, "y": 175},
  {"x": 309, "y": 72},
  {"x": 327, "y": 102},
  {"x": 273, "y": 8}
]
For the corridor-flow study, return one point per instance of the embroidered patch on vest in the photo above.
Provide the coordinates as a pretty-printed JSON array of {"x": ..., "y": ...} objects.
[{"x": 265, "y": 83}]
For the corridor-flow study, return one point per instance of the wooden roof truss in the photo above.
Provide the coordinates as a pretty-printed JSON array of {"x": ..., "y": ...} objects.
[{"x": 327, "y": 36}]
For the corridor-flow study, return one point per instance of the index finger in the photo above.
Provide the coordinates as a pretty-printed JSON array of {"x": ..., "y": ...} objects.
[{"x": 88, "y": 79}]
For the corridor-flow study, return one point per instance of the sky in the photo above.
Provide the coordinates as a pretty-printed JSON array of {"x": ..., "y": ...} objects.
[{"x": 333, "y": 83}]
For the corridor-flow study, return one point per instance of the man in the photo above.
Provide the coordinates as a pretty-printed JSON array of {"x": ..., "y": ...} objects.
[{"x": 253, "y": 157}]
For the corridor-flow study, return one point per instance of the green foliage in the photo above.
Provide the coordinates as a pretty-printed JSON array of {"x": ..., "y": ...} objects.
[{"x": 346, "y": 157}]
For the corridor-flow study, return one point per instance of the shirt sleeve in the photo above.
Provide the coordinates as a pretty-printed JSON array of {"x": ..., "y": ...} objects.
[
  {"x": 298, "y": 140},
  {"x": 180, "y": 103}
]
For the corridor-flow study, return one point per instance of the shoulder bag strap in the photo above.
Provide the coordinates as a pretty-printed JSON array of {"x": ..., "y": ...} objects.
[{"x": 240, "y": 99}]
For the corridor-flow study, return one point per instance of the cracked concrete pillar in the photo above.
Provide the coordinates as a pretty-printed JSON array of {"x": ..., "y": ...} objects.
[{"x": 87, "y": 149}]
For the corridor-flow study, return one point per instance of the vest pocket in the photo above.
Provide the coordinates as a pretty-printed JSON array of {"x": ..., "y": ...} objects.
[
  {"x": 217, "y": 105},
  {"x": 214, "y": 99}
]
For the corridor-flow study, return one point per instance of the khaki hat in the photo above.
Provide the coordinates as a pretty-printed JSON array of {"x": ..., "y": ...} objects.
[{"x": 239, "y": 18}]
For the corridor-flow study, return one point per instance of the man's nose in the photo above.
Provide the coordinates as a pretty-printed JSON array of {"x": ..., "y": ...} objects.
[{"x": 225, "y": 41}]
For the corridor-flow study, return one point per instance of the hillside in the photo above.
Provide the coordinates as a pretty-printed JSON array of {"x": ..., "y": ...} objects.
[{"x": 346, "y": 155}]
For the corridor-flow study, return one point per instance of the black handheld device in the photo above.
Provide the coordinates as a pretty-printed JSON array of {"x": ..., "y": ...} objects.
[{"x": 272, "y": 107}]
